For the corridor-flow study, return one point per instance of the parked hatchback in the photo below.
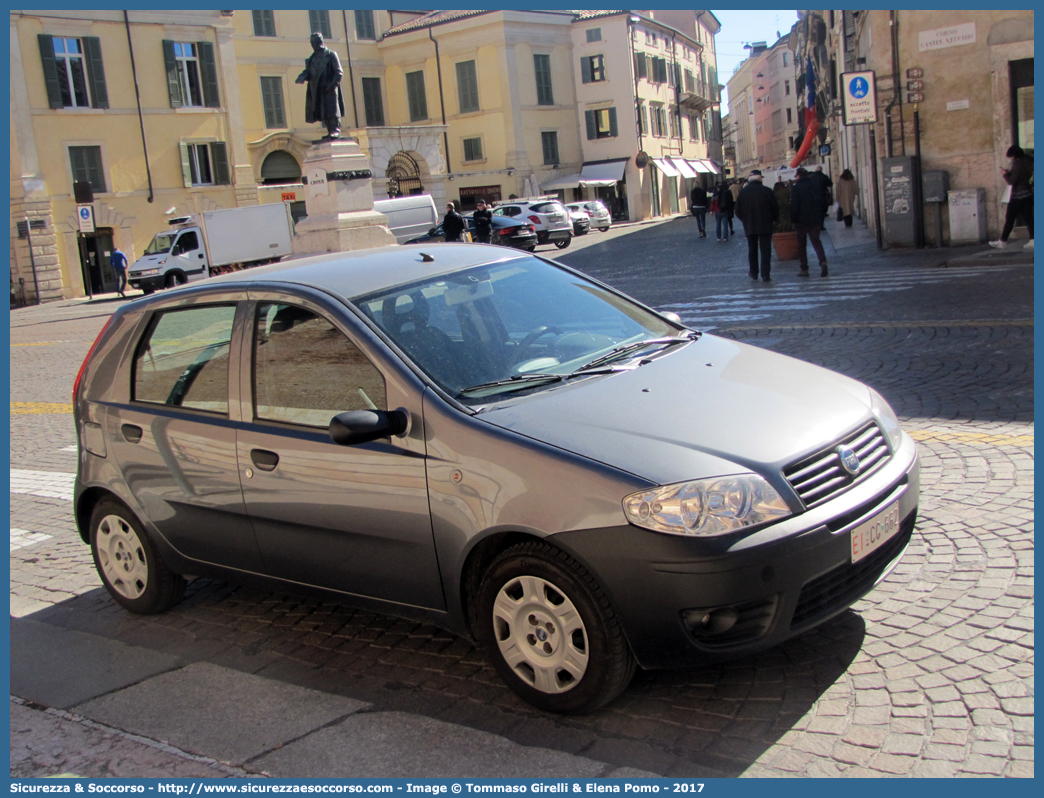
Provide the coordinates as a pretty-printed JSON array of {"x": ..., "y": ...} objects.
[
  {"x": 600, "y": 216},
  {"x": 548, "y": 216},
  {"x": 494, "y": 443}
]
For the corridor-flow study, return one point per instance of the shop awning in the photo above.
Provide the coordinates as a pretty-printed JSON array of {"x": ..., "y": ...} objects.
[
  {"x": 714, "y": 170},
  {"x": 562, "y": 182},
  {"x": 608, "y": 173},
  {"x": 683, "y": 167},
  {"x": 665, "y": 166},
  {"x": 701, "y": 167}
]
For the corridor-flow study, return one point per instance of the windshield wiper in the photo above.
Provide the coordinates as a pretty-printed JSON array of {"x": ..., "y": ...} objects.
[
  {"x": 520, "y": 380},
  {"x": 634, "y": 346}
]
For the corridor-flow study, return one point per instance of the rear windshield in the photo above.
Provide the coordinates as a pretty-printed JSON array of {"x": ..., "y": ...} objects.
[{"x": 548, "y": 207}]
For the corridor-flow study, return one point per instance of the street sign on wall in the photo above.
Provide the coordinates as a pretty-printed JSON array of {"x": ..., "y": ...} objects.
[
  {"x": 85, "y": 214},
  {"x": 859, "y": 95}
]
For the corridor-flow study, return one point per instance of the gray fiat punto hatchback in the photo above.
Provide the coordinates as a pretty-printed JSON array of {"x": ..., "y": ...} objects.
[{"x": 494, "y": 443}]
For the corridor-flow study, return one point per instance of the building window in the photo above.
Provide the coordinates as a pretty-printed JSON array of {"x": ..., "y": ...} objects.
[
  {"x": 264, "y": 23},
  {"x": 784, "y": 58},
  {"x": 549, "y": 142},
  {"x": 694, "y": 128},
  {"x": 364, "y": 28},
  {"x": 592, "y": 69},
  {"x": 86, "y": 165},
  {"x": 594, "y": 34},
  {"x": 473, "y": 149},
  {"x": 659, "y": 70},
  {"x": 319, "y": 22},
  {"x": 790, "y": 119},
  {"x": 690, "y": 82},
  {"x": 786, "y": 88},
  {"x": 675, "y": 122},
  {"x": 272, "y": 100},
  {"x": 416, "y": 97},
  {"x": 643, "y": 120},
  {"x": 467, "y": 87},
  {"x": 657, "y": 121},
  {"x": 191, "y": 74},
  {"x": 73, "y": 72},
  {"x": 641, "y": 66},
  {"x": 542, "y": 67},
  {"x": 204, "y": 164},
  {"x": 601, "y": 124},
  {"x": 372, "y": 102}
]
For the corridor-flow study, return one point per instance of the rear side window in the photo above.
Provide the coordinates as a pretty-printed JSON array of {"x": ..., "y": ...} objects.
[
  {"x": 183, "y": 359},
  {"x": 306, "y": 371}
]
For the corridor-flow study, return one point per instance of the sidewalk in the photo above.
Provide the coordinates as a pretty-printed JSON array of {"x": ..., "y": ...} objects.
[{"x": 94, "y": 707}]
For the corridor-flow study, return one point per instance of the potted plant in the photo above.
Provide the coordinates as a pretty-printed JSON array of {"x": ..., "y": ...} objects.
[{"x": 784, "y": 237}]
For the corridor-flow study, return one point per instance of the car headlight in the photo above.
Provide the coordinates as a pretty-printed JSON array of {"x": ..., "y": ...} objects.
[
  {"x": 706, "y": 507},
  {"x": 886, "y": 417}
]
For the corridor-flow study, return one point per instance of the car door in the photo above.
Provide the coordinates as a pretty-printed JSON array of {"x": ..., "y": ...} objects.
[
  {"x": 172, "y": 430},
  {"x": 348, "y": 518},
  {"x": 187, "y": 255}
]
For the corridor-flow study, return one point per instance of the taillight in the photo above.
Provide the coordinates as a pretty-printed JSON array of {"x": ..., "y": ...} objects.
[
  {"x": 534, "y": 219},
  {"x": 83, "y": 366},
  {"x": 506, "y": 231}
]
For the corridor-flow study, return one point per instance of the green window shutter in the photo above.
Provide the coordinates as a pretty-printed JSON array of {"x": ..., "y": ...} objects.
[
  {"x": 542, "y": 69},
  {"x": 641, "y": 65},
  {"x": 612, "y": 122},
  {"x": 173, "y": 84},
  {"x": 416, "y": 96},
  {"x": 585, "y": 69},
  {"x": 186, "y": 167},
  {"x": 208, "y": 74},
  {"x": 592, "y": 124},
  {"x": 319, "y": 22},
  {"x": 219, "y": 161},
  {"x": 467, "y": 87},
  {"x": 372, "y": 102},
  {"x": 272, "y": 101},
  {"x": 264, "y": 23},
  {"x": 50, "y": 71},
  {"x": 95, "y": 71}
]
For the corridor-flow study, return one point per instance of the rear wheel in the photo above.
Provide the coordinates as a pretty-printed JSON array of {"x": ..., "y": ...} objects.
[
  {"x": 128, "y": 564},
  {"x": 551, "y": 632},
  {"x": 562, "y": 243}
]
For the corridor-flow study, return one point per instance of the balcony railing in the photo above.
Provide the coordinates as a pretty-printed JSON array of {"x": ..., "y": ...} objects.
[{"x": 700, "y": 95}]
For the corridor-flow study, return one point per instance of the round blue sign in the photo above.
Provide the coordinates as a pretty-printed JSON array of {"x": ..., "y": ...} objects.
[
  {"x": 85, "y": 213},
  {"x": 859, "y": 88}
]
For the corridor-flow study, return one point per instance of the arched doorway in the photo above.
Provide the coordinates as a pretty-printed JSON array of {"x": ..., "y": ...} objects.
[
  {"x": 279, "y": 168},
  {"x": 403, "y": 176}
]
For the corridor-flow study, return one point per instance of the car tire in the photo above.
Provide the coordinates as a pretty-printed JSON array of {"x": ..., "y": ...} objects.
[
  {"x": 174, "y": 279},
  {"x": 531, "y": 249},
  {"x": 562, "y": 243},
  {"x": 551, "y": 631},
  {"x": 130, "y": 568},
  {"x": 604, "y": 229},
  {"x": 147, "y": 291}
]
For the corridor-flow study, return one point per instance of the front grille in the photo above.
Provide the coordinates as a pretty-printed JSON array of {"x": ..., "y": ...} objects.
[
  {"x": 820, "y": 476},
  {"x": 841, "y": 587},
  {"x": 754, "y": 620}
]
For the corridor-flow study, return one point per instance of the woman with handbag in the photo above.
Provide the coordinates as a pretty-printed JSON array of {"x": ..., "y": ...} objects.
[
  {"x": 1020, "y": 178},
  {"x": 847, "y": 188}
]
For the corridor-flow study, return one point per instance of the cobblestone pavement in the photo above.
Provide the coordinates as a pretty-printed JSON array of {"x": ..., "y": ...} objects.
[{"x": 929, "y": 675}]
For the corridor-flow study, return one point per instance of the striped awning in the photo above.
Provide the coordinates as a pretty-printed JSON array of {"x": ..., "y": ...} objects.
[{"x": 665, "y": 166}]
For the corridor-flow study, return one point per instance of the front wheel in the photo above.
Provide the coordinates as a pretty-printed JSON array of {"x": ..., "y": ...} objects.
[
  {"x": 562, "y": 243},
  {"x": 174, "y": 279},
  {"x": 128, "y": 564},
  {"x": 551, "y": 632}
]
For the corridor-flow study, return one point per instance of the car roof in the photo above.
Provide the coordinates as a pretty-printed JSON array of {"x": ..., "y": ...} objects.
[{"x": 364, "y": 271}]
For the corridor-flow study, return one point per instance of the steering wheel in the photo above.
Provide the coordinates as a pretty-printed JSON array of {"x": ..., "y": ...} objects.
[{"x": 531, "y": 338}]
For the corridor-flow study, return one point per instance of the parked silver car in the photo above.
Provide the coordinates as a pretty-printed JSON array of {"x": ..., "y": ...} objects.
[
  {"x": 548, "y": 216},
  {"x": 600, "y": 216},
  {"x": 494, "y": 443}
]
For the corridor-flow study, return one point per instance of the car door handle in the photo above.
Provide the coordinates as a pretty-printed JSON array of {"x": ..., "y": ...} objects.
[
  {"x": 263, "y": 459},
  {"x": 131, "y": 433},
  {"x": 201, "y": 254}
]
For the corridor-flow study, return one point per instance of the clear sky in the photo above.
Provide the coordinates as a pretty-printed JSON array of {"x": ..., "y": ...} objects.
[{"x": 744, "y": 27}]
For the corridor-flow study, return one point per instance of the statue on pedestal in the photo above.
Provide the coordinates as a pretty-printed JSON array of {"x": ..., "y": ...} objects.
[{"x": 323, "y": 100}]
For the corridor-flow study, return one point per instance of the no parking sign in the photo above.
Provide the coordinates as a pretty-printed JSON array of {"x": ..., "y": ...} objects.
[{"x": 85, "y": 213}]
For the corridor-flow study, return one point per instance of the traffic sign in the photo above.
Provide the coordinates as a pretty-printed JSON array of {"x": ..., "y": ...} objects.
[
  {"x": 824, "y": 149},
  {"x": 85, "y": 214},
  {"x": 859, "y": 97}
]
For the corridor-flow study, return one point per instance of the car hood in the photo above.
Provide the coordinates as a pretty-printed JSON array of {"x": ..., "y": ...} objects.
[
  {"x": 708, "y": 408},
  {"x": 145, "y": 261}
]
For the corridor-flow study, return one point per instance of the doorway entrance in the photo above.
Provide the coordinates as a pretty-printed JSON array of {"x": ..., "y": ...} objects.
[{"x": 96, "y": 249}]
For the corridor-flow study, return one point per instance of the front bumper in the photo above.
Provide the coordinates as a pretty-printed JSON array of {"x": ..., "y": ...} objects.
[
  {"x": 544, "y": 236},
  {"x": 153, "y": 282},
  {"x": 777, "y": 582}
]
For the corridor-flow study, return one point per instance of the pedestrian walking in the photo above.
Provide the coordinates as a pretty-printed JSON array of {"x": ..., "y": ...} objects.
[
  {"x": 847, "y": 188},
  {"x": 118, "y": 261},
  {"x": 698, "y": 206},
  {"x": 758, "y": 210},
  {"x": 1020, "y": 177},
  {"x": 452, "y": 224},
  {"x": 826, "y": 185},
  {"x": 807, "y": 210},
  {"x": 723, "y": 209},
  {"x": 483, "y": 217},
  {"x": 734, "y": 190}
]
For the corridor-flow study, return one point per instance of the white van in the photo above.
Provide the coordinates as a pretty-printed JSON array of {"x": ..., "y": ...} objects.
[{"x": 409, "y": 217}]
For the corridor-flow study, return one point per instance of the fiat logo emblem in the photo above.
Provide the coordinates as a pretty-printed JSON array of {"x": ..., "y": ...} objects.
[{"x": 849, "y": 459}]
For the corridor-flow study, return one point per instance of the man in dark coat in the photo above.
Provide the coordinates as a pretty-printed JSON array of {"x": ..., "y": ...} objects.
[
  {"x": 483, "y": 217},
  {"x": 452, "y": 224},
  {"x": 323, "y": 100},
  {"x": 808, "y": 206},
  {"x": 757, "y": 209},
  {"x": 698, "y": 206},
  {"x": 826, "y": 185}
]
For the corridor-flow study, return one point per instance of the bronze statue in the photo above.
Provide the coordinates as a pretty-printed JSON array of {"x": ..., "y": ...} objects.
[{"x": 323, "y": 100}]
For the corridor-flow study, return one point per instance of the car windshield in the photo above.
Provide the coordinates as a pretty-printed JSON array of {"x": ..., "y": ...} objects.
[
  {"x": 497, "y": 326},
  {"x": 160, "y": 243}
]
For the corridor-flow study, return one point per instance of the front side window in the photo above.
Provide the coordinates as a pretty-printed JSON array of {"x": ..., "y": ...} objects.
[
  {"x": 542, "y": 68},
  {"x": 364, "y": 27},
  {"x": 86, "y": 163},
  {"x": 416, "y": 96},
  {"x": 319, "y": 22},
  {"x": 306, "y": 371},
  {"x": 264, "y": 23},
  {"x": 467, "y": 87},
  {"x": 182, "y": 361},
  {"x": 373, "y": 103},
  {"x": 272, "y": 100},
  {"x": 592, "y": 69},
  {"x": 549, "y": 144},
  {"x": 473, "y": 149}
]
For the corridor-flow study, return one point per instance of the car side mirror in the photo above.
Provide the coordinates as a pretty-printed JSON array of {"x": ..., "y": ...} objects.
[{"x": 362, "y": 426}]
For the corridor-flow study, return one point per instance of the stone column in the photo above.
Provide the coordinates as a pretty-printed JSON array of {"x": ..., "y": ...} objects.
[
  {"x": 340, "y": 210},
  {"x": 239, "y": 158}
]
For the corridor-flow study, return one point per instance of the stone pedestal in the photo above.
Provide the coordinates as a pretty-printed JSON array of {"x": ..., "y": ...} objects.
[{"x": 340, "y": 210}]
